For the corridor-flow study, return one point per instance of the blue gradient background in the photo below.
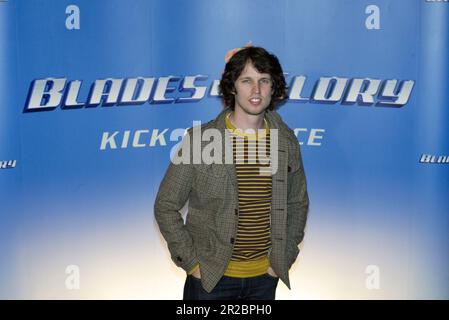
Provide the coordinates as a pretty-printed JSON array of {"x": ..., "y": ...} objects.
[{"x": 372, "y": 202}]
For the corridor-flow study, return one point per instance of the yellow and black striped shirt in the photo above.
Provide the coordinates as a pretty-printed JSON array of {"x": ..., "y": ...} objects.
[{"x": 253, "y": 240}]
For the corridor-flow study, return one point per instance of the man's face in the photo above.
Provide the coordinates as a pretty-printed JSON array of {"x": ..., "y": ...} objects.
[{"x": 253, "y": 90}]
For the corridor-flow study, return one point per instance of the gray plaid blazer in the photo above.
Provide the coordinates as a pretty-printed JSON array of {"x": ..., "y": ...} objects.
[{"x": 207, "y": 236}]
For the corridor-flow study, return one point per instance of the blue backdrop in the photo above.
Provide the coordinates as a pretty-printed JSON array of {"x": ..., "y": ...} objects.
[{"x": 79, "y": 178}]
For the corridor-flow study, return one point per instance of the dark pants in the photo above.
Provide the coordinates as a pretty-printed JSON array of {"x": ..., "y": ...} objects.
[{"x": 255, "y": 288}]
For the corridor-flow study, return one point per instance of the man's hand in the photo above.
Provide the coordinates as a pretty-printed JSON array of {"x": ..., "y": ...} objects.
[
  {"x": 197, "y": 274},
  {"x": 271, "y": 272}
]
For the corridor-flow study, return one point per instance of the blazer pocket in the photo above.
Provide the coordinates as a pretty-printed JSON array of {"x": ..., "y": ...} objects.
[
  {"x": 292, "y": 171},
  {"x": 292, "y": 167}
]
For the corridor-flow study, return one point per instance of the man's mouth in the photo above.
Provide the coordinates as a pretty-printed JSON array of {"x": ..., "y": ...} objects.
[{"x": 255, "y": 101}]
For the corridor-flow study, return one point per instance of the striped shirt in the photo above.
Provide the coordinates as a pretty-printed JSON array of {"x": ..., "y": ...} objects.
[{"x": 253, "y": 241}]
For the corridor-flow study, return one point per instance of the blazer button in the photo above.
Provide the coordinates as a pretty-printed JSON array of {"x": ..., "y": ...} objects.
[
  {"x": 236, "y": 212},
  {"x": 232, "y": 240},
  {"x": 179, "y": 259}
]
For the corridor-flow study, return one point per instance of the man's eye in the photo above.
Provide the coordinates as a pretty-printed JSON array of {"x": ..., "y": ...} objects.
[
  {"x": 266, "y": 81},
  {"x": 245, "y": 81}
]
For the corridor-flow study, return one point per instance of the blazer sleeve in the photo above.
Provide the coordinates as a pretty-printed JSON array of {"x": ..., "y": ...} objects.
[
  {"x": 173, "y": 193},
  {"x": 297, "y": 205}
]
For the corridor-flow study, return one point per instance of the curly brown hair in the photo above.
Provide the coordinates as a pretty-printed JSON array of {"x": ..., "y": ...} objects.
[{"x": 264, "y": 62}]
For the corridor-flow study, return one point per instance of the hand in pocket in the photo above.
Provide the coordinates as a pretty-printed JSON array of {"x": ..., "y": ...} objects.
[
  {"x": 271, "y": 272},
  {"x": 197, "y": 274}
]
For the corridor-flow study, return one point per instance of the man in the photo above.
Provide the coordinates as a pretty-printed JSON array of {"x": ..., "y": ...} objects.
[{"x": 246, "y": 217}]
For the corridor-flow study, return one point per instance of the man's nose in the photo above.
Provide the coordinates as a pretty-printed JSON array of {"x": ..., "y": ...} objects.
[{"x": 256, "y": 87}]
